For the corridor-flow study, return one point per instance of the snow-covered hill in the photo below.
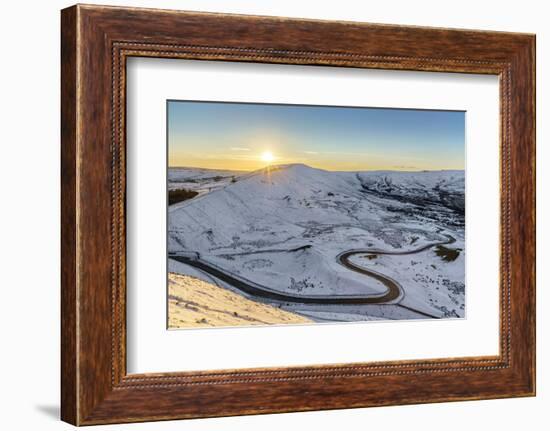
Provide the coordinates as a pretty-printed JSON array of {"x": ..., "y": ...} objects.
[
  {"x": 200, "y": 180},
  {"x": 444, "y": 188},
  {"x": 284, "y": 226}
]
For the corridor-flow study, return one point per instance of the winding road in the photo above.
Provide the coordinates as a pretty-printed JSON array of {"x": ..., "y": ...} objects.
[{"x": 394, "y": 291}]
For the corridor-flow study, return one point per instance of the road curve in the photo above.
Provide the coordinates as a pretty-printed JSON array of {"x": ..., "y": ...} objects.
[
  {"x": 394, "y": 289},
  {"x": 393, "y": 292},
  {"x": 269, "y": 294}
]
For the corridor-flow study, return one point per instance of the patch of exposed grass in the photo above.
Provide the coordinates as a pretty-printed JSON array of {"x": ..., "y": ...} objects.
[
  {"x": 370, "y": 256},
  {"x": 180, "y": 195},
  {"x": 447, "y": 254}
]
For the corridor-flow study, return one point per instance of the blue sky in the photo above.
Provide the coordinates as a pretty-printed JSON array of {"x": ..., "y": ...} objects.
[{"x": 239, "y": 135}]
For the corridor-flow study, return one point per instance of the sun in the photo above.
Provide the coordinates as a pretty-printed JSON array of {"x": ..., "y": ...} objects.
[{"x": 267, "y": 156}]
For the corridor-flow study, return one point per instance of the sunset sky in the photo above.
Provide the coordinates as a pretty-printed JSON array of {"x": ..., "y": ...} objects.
[{"x": 244, "y": 136}]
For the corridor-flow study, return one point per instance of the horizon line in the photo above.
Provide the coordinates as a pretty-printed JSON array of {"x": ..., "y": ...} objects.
[{"x": 311, "y": 167}]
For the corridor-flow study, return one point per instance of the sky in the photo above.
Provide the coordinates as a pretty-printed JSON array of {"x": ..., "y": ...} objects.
[{"x": 249, "y": 136}]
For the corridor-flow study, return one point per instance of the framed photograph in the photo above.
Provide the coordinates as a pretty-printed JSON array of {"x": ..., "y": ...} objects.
[{"x": 322, "y": 214}]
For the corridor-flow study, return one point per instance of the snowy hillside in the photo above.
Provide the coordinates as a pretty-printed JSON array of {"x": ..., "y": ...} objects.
[
  {"x": 200, "y": 180},
  {"x": 438, "y": 188},
  {"x": 283, "y": 229}
]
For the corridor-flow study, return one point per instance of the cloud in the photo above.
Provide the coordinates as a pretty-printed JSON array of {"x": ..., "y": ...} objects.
[
  {"x": 240, "y": 149},
  {"x": 311, "y": 152}
]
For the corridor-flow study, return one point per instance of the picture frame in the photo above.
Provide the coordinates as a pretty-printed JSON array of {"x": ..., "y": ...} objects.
[{"x": 96, "y": 42}]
